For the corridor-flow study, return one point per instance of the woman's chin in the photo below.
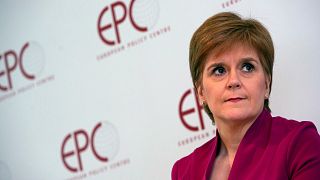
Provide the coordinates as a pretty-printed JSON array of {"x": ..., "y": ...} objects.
[{"x": 238, "y": 115}]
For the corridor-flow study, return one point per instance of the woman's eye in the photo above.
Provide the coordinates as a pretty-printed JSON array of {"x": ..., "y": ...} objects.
[
  {"x": 247, "y": 67},
  {"x": 218, "y": 71}
]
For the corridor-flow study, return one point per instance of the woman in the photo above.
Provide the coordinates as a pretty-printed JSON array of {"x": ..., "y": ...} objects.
[{"x": 231, "y": 62}]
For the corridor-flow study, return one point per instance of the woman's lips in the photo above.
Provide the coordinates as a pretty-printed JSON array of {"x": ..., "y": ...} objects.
[{"x": 234, "y": 100}]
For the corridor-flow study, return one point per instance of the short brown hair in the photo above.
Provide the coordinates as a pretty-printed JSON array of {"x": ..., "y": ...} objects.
[{"x": 220, "y": 32}]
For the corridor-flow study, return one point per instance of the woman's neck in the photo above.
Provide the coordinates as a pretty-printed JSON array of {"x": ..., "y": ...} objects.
[{"x": 231, "y": 135}]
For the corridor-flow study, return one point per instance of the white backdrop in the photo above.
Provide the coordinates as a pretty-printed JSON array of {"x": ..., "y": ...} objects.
[{"x": 75, "y": 107}]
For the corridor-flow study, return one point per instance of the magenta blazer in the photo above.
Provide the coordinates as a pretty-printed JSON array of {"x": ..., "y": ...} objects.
[{"x": 273, "y": 148}]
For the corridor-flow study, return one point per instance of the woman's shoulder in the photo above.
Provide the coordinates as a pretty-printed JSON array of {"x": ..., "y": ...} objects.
[
  {"x": 290, "y": 126},
  {"x": 302, "y": 142},
  {"x": 199, "y": 152},
  {"x": 198, "y": 159},
  {"x": 293, "y": 132}
]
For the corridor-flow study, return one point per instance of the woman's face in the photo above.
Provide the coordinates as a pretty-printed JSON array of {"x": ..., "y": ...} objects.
[{"x": 234, "y": 84}]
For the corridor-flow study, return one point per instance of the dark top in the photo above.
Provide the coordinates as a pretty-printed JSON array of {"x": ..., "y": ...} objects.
[{"x": 272, "y": 148}]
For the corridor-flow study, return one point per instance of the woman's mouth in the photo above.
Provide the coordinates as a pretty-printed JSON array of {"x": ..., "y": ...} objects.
[{"x": 234, "y": 100}]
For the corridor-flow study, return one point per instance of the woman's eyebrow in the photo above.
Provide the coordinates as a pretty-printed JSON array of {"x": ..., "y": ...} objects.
[
  {"x": 249, "y": 59},
  {"x": 215, "y": 64}
]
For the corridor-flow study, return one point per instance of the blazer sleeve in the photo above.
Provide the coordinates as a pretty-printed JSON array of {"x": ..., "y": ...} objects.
[{"x": 304, "y": 153}]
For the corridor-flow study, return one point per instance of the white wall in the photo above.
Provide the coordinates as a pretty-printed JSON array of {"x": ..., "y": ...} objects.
[{"x": 134, "y": 92}]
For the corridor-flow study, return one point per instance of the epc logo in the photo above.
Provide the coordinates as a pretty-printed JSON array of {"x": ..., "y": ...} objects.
[
  {"x": 184, "y": 112},
  {"x": 26, "y": 60},
  {"x": 102, "y": 141},
  {"x": 119, "y": 11}
]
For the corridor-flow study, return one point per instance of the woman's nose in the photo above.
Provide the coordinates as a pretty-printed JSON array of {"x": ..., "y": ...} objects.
[{"x": 234, "y": 81}]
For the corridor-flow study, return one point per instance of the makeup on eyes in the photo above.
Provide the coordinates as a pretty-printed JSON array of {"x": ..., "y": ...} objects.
[{"x": 221, "y": 67}]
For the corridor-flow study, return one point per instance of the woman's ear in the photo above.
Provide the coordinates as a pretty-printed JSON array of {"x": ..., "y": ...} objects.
[
  {"x": 268, "y": 80},
  {"x": 200, "y": 94}
]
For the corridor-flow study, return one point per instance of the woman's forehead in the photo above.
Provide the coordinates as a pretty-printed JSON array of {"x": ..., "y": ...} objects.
[
  {"x": 231, "y": 48},
  {"x": 230, "y": 45}
]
